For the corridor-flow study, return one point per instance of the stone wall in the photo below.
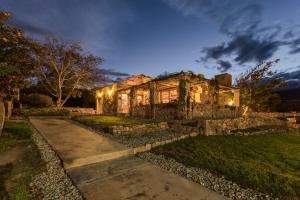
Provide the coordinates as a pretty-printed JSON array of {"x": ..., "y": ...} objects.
[
  {"x": 171, "y": 111},
  {"x": 81, "y": 110},
  {"x": 214, "y": 111},
  {"x": 274, "y": 114},
  {"x": 167, "y": 111},
  {"x": 138, "y": 129},
  {"x": 225, "y": 126},
  {"x": 143, "y": 111}
]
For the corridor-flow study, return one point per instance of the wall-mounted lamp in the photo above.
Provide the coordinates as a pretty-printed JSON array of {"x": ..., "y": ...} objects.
[
  {"x": 110, "y": 92},
  {"x": 230, "y": 102},
  {"x": 100, "y": 94}
]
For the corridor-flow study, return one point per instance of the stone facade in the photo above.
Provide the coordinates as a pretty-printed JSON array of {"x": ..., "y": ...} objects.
[
  {"x": 184, "y": 95},
  {"x": 138, "y": 129},
  {"x": 214, "y": 111}
]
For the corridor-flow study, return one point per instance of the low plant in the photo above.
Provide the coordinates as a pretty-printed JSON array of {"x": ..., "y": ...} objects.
[{"x": 37, "y": 100}]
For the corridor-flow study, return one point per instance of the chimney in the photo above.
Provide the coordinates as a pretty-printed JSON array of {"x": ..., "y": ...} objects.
[{"x": 224, "y": 79}]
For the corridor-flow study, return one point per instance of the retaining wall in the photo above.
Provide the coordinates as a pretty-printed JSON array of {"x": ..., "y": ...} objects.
[
  {"x": 138, "y": 129},
  {"x": 225, "y": 126}
]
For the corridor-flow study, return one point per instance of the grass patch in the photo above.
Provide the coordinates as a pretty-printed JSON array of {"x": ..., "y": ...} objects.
[
  {"x": 103, "y": 123},
  {"x": 16, "y": 133},
  {"x": 268, "y": 163},
  {"x": 16, "y": 174},
  {"x": 112, "y": 120},
  {"x": 277, "y": 128}
]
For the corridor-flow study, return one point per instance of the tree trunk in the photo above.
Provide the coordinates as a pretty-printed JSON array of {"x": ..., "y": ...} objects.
[{"x": 2, "y": 116}]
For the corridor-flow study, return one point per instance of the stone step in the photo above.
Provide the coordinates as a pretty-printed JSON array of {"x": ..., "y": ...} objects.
[{"x": 97, "y": 158}]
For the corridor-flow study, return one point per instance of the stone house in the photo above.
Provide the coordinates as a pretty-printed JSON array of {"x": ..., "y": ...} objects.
[{"x": 183, "y": 95}]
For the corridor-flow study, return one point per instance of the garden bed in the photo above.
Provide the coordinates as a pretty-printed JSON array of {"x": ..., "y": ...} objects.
[
  {"x": 132, "y": 140},
  {"x": 268, "y": 163},
  {"x": 122, "y": 125}
]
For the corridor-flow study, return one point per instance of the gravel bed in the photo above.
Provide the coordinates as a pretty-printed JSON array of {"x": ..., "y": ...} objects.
[
  {"x": 205, "y": 178},
  {"x": 54, "y": 182},
  {"x": 134, "y": 140}
]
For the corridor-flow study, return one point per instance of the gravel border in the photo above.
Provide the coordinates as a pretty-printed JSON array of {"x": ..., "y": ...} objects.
[
  {"x": 54, "y": 183},
  {"x": 205, "y": 178},
  {"x": 134, "y": 140}
]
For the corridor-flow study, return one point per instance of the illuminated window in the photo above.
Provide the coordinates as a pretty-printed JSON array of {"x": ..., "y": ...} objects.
[
  {"x": 168, "y": 95},
  {"x": 146, "y": 97},
  {"x": 139, "y": 99},
  {"x": 165, "y": 97},
  {"x": 197, "y": 97},
  {"x": 196, "y": 93},
  {"x": 173, "y": 95}
]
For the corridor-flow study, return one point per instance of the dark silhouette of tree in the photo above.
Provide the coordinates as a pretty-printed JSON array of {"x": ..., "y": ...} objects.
[{"x": 16, "y": 57}]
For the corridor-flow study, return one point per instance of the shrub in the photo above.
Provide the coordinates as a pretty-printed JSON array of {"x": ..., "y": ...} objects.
[{"x": 38, "y": 100}]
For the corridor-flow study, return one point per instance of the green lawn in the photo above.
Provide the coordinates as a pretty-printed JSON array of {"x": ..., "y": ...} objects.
[
  {"x": 112, "y": 120},
  {"x": 16, "y": 175},
  {"x": 268, "y": 163}
]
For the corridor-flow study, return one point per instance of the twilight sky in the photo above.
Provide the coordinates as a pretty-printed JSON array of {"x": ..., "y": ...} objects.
[{"x": 154, "y": 36}]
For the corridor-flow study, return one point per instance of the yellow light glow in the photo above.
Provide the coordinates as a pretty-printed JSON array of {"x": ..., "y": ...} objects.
[
  {"x": 110, "y": 92},
  {"x": 230, "y": 103},
  {"x": 100, "y": 94}
]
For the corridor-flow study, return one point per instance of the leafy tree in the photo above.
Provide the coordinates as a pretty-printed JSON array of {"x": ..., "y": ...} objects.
[
  {"x": 16, "y": 57},
  {"x": 257, "y": 87},
  {"x": 64, "y": 67}
]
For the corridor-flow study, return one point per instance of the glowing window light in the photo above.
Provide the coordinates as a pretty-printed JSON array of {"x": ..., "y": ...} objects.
[
  {"x": 110, "y": 92},
  {"x": 100, "y": 94}
]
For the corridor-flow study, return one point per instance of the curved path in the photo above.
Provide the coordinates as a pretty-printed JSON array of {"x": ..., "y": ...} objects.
[{"x": 104, "y": 169}]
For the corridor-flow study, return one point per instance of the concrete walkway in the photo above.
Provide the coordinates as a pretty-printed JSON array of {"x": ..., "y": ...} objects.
[
  {"x": 103, "y": 169},
  {"x": 75, "y": 145}
]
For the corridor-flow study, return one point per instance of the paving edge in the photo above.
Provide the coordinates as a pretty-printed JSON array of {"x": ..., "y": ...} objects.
[
  {"x": 149, "y": 146},
  {"x": 205, "y": 178},
  {"x": 142, "y": 148},
  {"x": 97, "y": 158}
]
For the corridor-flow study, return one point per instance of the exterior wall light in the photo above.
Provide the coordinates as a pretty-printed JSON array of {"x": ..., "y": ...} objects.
[
  {"x": 100, "y": 94},
  {"x": 110, "y": 92},
  {"x": 230, "y": 103}
]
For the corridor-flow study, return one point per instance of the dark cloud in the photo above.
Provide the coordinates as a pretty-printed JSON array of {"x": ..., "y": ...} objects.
[
  {"x": 93, "y": 23},
  {"x": 292, "y": 78},
  {"x": 245, "y": 48},
  {"x": 31, "y": 28},
  {"x": 294, "y": 75},
  {"x": 111, "y": 76},
  {"x": 294, "y": 45},
  {"x": 244, "y": 19},
  {"x": 289, "y": 34},
  {"x": 250, "y": 40},
  {"x": 223, "y": 65},
  {"x": 111, "y": 72},
  {"x": 232, "y": 16}
]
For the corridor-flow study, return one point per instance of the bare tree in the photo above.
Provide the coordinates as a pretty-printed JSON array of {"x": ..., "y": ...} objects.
[
  {"x": 64, "y": 67},
  {"x": 257, "y": 87}
]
